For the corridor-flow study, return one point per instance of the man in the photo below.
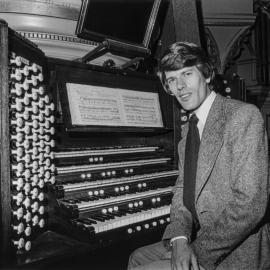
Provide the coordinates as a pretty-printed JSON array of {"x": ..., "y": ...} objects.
[{"x": 217, "y": 213}]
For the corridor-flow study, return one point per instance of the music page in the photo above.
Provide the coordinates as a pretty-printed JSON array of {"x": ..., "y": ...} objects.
[{"x": 98, "y": 105}]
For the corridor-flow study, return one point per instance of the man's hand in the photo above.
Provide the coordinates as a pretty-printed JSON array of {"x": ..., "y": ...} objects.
[{"x": 183, "y": 257}]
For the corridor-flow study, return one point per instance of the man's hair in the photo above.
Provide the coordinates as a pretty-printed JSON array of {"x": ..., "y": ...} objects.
[{"x": 184, "y": 54}]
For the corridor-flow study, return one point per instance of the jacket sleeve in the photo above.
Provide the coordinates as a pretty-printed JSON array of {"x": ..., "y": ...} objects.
[
  {"x": 180, "y": 217},
  {"x": 249, "y": 186}
]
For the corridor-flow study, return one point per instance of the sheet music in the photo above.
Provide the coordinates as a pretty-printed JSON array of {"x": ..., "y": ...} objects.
[{"x": 98, "y": 105}]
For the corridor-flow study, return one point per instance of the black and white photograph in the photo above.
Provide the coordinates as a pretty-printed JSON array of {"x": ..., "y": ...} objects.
[{"x": 134, "y": 134}]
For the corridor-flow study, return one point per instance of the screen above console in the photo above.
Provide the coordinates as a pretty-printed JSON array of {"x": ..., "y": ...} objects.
[{"x": 129, "y": 22}]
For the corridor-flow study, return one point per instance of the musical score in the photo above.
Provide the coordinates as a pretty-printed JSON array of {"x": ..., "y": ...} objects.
[{"x": 99, "y": 105}]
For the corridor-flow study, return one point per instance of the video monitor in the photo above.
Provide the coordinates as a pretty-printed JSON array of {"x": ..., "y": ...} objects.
[{"x": 129, "y": 22}]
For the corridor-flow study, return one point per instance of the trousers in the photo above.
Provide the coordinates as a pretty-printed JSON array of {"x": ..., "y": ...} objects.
[{"x": 151, "y": 257}]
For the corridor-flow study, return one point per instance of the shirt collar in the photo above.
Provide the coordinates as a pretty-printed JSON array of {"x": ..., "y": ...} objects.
[{"x": 203, "y": 111}]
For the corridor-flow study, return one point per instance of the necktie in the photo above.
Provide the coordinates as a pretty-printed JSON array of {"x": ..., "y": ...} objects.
[{"x": 190, "y": 167}]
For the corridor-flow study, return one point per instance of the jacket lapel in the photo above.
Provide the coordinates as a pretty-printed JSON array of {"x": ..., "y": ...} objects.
[{"x": 211, "y": 142}]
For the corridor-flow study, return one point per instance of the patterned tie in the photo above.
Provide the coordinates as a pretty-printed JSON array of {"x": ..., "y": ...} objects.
[{"x": 190, "y": 167}]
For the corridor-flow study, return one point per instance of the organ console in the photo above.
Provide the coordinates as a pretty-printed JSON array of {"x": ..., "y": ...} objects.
[
  {"x": 112, "y": 182},
  {"x": 96, "y": 183}
]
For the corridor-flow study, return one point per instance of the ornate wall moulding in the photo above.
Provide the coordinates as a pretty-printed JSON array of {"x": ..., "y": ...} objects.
[
  {"x": 235, "y": 46},
  {"x": 60, "y": 46},
  {"x": 227, "y": 32},
  {"x": 53, "y": 8},
  {"x": 68, "y": 47},
  {"x": 262, "y": 6},
  {"x": 212, "y": 49},
  {"x": 56, "y": 37},
  {"x": 37, "y": 23},
  {"x": 223, "y": 19}
]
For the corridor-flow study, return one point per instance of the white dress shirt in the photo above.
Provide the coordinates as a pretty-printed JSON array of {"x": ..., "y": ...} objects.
[{"x": 203, "y": 111}]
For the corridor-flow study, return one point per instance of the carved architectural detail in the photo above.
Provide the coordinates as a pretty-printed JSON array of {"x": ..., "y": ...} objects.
[
  {"x": 236, "y": 48},
  {"x": 56, "y": 37},
  {"x": 212, "y": 49},
  {"x": 68, "y": 47},
  {"x": 262, "y": 41},
  {"x": 232, "y": 20},
  {"x": 228, "y": 22},
  {"x": 262, "y": 6},
  {"x": 64, "y": 3},
  {"x": 50, "y": 24},
  {"x": 54, "y": 8}
]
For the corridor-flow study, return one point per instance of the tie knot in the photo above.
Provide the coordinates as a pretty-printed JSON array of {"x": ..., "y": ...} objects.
[{"x": 194, "y": 119}]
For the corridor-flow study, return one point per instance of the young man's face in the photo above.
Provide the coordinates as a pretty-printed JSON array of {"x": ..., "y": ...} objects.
[{"x": 189, "y": 87}]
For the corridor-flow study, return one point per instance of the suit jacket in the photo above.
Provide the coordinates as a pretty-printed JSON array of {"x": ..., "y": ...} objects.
[{"x": 231, "y": 191}]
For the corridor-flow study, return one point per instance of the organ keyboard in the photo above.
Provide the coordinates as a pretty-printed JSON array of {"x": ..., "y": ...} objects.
[
  {"x": 109, "y": 195},
  {"x": 123, "y": 183},
  {"x": 85, "y": 204},
  {"x": 96, "y": 226},
  {"x": 116, "y": 165}
]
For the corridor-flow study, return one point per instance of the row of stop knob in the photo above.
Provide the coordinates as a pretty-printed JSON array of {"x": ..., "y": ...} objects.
[
  {"x": 31, "y": 131},
  {"x": 21, "y": 62},
  {"x": 147, "y": 226}
]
